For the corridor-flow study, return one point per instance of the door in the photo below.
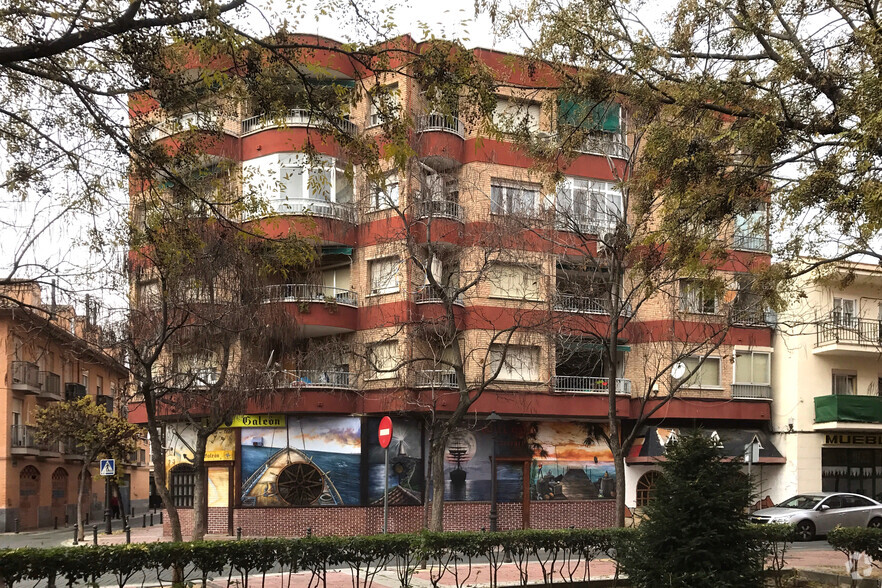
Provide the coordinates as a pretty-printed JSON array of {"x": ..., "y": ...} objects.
[
  {"x": 28, "y": 498},
  {"x": 59, "y": 495}
]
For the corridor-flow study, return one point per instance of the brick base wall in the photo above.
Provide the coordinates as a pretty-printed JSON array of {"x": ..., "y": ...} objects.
[{"x": 359, "y": 520}]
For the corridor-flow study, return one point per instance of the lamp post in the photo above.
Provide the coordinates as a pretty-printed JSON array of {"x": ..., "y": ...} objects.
[{"x": 493, "y": 419}]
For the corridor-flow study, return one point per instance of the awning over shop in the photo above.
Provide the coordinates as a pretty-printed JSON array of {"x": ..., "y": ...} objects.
[
  {"x": 336, "y": 250},
  {"x": 650, "y": 444}
]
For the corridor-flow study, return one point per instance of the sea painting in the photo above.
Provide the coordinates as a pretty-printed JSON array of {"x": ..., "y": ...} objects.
[
  {"x": 570, "y": 462},
  {"x": 406, "y": 475},
  {"x": 313, "y": 461},
  {"x": 467, "y": 470}
]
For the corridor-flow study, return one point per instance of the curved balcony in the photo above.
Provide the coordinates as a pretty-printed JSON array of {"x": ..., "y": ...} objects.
[
  {"x": 297, "y": 117},
  {"x": 589, "y": 385},
  {"x": 446, "y": 209},
  {"x": 320, "y": 310},
  {"x": 584, "y": 305},
  {"x": 605, "y": 144},
  {"x": 309, "y": 293},
  {"x": 317, "y": 379},
  {"x": 445, "y": 378},
  {"x": 440, "y": 122},
  {"x": 442, "y": 138},
  {"x": 319, "y": 208},
  {"x": 429, "y": 295}
]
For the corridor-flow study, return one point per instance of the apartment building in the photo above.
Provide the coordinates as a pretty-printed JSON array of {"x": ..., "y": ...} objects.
[
  {"x": 467, "y": 258},
  {"x": 827, "y": 414},
  {"x": 47, "y": 354}
]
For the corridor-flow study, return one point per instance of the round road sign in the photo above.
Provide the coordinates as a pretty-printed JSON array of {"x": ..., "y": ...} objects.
[{"x": 384, "y": 434}]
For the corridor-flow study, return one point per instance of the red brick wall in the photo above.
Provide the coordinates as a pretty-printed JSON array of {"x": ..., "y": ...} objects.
[{"x": 356, "y": 520}]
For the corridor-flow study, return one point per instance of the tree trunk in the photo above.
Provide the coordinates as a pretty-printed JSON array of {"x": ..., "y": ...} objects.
[
  {"x": 436, "y": 461},
  {"x": 157, "y": 453},
  {"x": 81, "y": 531},
  {"x": 619, "y": 461},
  {"x": 200, "y": 504}
]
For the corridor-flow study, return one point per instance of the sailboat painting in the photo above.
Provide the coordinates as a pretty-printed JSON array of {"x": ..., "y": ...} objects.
[
  {"x": 467, "y": 471},
  {"x": 314, "y": 461},
  {"x": 406, "y": 475}
]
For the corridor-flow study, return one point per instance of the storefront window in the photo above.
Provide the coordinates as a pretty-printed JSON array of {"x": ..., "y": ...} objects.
[{"x": 852, "y": 470}]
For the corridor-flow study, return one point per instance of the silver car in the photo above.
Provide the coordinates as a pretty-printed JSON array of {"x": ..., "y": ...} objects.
[{"x": 816, "y": 514}]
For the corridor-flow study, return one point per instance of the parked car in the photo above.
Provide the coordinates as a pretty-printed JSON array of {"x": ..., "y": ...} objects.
[{"x": 819, "y": 513}]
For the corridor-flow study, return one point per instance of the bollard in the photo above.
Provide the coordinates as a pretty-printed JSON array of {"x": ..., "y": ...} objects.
[
  {"x": 16, "y": 525},
  {"x": 151, "y": 519},
  {"x": 56, "y": 522},
  {"x": 76, "y": 534},
  {"x": 94, "y": 534},
  {"x": 238, "y": 533},
  {"x": 160, "y": 517},
  {"x": 132, "y": 514},
  {"x": 144, "y": 520},
  {"x": 128, "y": 534}
]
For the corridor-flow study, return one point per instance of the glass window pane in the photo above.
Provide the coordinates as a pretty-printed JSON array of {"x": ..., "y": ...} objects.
[
  {"x": 761, "y": 368},
  {"x": 743, "y": 368},
  {"x": 291, "y": 179}
]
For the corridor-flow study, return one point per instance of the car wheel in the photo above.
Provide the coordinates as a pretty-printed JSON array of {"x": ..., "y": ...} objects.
[
  {"x": 805, "y": 531},
  {"x": 875, "y": 523}
]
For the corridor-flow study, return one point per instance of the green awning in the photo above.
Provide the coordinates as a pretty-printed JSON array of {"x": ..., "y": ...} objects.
[
  {"x": 336, "y": 250},
  {"x": 602, "y": 116}
]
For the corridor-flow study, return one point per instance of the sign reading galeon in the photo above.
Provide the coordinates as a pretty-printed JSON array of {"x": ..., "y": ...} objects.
[
  {"x": 853, "y": 439},
  {"x": 258, "y": 420}
]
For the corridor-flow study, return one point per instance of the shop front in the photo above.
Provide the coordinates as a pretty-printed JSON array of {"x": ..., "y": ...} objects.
[{"x": 852, "y": 462}]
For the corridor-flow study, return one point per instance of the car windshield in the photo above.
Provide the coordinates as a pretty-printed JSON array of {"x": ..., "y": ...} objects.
[{"x": 801, "y": 501}]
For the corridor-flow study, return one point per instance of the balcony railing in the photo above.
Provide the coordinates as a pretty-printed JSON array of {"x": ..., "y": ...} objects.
[
  {"x": 754, "y": 317},
  {"x": 751, "y": 391},
  {"x": 310, "y": 207},
  {"x": 746, "y": 242},
  {"x": 50, "y": 384},
  {"x": 848, "y": 408},
  {"x": 586, "y": 224},
  {"x": 297, "y": 117},
  {"x": 850, "y": 330},
  {"x": 584, "y": 305},
  {"x": 589, "y": 385},
  {"x": 600, "y": 143},
  {"x": 436, "y": 379},
  {"x": 309, "y": 293},
  {"x": 318, "y": 379},
  {"x": 439, "y": 209},
  {"x": 441, "y": 122},
  {"x": 429, "y": 295},
  {"x": 25, "y": 375},
  {"x": 24, "y": 437}
]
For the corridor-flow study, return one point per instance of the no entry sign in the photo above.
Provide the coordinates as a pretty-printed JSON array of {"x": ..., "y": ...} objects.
[{"x": 384, "y": 434}]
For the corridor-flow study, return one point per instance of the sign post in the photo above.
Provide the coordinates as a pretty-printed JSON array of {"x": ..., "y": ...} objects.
[
  {"x": 108, "y": 470},
  {"x": 384, "y": 436}
]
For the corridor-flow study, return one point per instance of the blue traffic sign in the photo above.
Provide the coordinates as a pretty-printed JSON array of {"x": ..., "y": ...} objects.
[{"x": 108, "y": 467}]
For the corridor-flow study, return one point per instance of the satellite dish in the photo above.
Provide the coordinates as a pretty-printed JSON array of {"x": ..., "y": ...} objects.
[{"x": 678, "y": 370}]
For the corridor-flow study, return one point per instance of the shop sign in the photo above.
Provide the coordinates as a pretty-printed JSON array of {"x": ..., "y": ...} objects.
[
  {"x": 853, "y": 439},
  {"x": 258, "y": 420}
]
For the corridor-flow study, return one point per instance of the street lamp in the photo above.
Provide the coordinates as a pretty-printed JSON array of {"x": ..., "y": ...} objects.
[{"x": 493, "y": 419}]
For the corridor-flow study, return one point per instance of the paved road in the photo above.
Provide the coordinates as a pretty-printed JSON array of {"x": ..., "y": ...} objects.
[{"x": 55, "y": 538}]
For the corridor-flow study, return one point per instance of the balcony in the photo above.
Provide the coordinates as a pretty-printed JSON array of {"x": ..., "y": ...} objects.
[
  {"x": 310, "y": 207},
  {"x": 23, "y": 441},
  {"x": 747, "y": 242},
  {"x": 589, "y": 385},
  {"x": 584, "y": 224},
  {"x": 25, "y": 377},
  {"x": 436, "y": 379},
  {"x": 317, "y": 379},
  {"x": 749, "y": 317},
  {"x": 320, "y": 310},
  {"x": 50, "y": 386},
  {"x": 845, "y": 411},
  {"x": 846, "y": 335},
  {"x": 752, "y": 391},
  {"x": 309, "y": 293},
  {"x": 430, "y": 295},
  {"x": 584, "y": 305},
  {"x": 448, "y": 209},
  {"x": 297, "y": 117},
  {"x": 440, "y": 122},
  {"x": 606, "y": 144}
]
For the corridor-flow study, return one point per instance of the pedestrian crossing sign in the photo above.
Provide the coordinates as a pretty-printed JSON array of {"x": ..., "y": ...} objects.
[{"x": 108, "y": 467}]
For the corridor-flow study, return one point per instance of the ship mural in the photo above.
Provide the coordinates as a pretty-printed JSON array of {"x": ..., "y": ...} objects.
[
  {"x": 570, "y": 463},
  {"x": 467, "y": 469},
  {"x": 310, "y": 462},
  {"x": 406, "y": 471}
]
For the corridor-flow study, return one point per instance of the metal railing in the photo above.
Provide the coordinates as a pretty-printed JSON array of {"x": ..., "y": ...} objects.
[
  {"x": 310, "y": 207},
  {"x": 309, "y": 293},
  {"x": 430, "y": 295},
  {"x": 436, "y": 379},
  {"x": 440, "y": 122},
  {"x": 567, "y": 220},
  {"x": 439, "y": 209},
  {"x": 754, "y": 317},
  {"x": 318, "y": 379},
  {"x": 848, "y": 329},
  {"x": 584, "y": 305},
  {"x": 297, "y": 117},
  {"x": 600, "y": 143},
  {"x": 748, "y": 242},
  {"x": 751, "y": 391},
  {"x": 589, "y": 385},
  {"x": 50, "y": 383},
  {"x": 24, "y": 437},
  {"x": 25, "y": 373}
]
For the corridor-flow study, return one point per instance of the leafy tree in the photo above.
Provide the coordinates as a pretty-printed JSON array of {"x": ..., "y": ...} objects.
[
  {"x": 696, "y": 531},
  {"x": 93, "y": 430}
]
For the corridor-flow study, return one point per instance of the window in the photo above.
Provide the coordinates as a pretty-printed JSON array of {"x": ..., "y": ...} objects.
[
  {"x": 752, "y": 367},
  {"x": 521, "y": 363},
  {"x": 384, "y": 106},
  {"x": 324, "y": 180},
  {"x": 183, "y": 485},
  {"x": 85, "y": 381},
  {"x": 384, "y": 360},
  {"x": 513, "y": 115},
  {"x": 149, "y": 293},
  {"x": 707, "y": 375},
  {"x": 384, "y": 275},
  {"x": 385, "y": 196},
  {"x": 844, "y": 384},
  {"x": 513, "y": 281},
  {"x": 750, "y": 229},
  {"x": 507, "y": 197},
  {"x": 99, "y": 385},
  {"x": 605, "y": 117},
  {"x": 844, "y": 311},
  {"x": 646, "y": 487},
  {"x": 581, "y": 200},
  {"x": 694, "y": 299}
]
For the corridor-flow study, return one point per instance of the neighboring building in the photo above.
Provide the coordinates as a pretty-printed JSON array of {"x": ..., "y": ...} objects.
[
  {"x": 827, "y": 370},
  {"x": 364, "y": 309},
  {"x": 47, "y": 354}
]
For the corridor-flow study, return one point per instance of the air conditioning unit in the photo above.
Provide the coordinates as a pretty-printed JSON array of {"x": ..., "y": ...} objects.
[
  {"x": 74, "y": 391},
  {"x": 603, "y": 240},
  {"x": 105, "y": 401}
]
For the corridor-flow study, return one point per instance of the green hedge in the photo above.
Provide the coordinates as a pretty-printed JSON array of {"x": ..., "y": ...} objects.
[
  {"x": 850, "y": 540},
  {"x": 443, "y": 553}
]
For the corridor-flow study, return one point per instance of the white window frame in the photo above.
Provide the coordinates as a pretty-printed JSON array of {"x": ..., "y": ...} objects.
[
  {"x": 375, "y": 359},
  {"x": 386, "y": 196},
  {"x": 511, "y": 372},
  {"x": 601, "y": 201},
  {"x": 693, "y": 300},
  {"x": 310, "y": 190},
  {"x": 708, "y": 361},
  {"x": 377, "y": 287},
  {"x": 528, "y": 271},
  {"x": 848, "y": 379},
  {"x": 840, "y": 316},
  {"x": 751, "y": 354},
  {"x": 505, "y": 197},
  {"x": 510, "y": 114},
  {"x": 375, "y": 117}
]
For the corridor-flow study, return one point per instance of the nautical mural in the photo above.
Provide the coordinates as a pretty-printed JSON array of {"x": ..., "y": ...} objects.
[
  {"x": 467, "y": 470},
  {"x": 570, "y": 462},
  {"x": 313, "y": 461},
  {"x": 181, "y": 443},
  {"x": 406, "y": 477}
]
